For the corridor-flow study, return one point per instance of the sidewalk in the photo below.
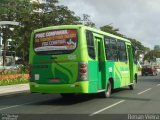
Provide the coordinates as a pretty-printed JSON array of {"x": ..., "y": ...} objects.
[{"x": 13, "y": 89}]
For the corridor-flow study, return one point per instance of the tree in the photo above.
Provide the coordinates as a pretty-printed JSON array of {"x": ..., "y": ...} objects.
[
  {"x": 151, "y": 55},
  {"x": 86, "y": 20},
  {"x": 7, "y": 13},
  {"x": 110, "y": 29},
  {"x": 43, "y": 15},
  {"x": 52, "y": 14},
  {"x": 31, "y": 16},
  {"x": 138, "y": 45}
]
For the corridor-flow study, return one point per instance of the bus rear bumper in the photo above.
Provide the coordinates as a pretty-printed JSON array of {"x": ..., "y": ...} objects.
[{"x": 78, "y": 87}]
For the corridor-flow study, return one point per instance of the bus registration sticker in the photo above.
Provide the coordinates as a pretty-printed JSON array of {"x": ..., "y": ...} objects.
[
  {"x": 36, "y": 76},
  {"x": 110, "y": 69}
]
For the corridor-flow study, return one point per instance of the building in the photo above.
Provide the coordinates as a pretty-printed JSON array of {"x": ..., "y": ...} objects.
[{"x": 157, "y": 47}]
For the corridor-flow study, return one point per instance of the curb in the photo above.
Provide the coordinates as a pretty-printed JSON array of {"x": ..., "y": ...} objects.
[{"x": 14, "y": 93}]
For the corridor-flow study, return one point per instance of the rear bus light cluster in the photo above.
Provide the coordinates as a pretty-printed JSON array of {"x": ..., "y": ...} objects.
[{"x": 83, "y": 71}]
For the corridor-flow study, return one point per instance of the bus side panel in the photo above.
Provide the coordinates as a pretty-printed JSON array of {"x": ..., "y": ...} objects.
[
  {"x": 119, "y": 72},
  {"x": 130, "y": 64},
  {"x": 125, "y": 73},
  {"x": 93, "y": 76},
  {"x": 112, "y": 72}
]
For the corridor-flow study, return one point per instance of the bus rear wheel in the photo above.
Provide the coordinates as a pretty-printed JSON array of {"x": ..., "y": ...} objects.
[{"x": 107, "y": 92}]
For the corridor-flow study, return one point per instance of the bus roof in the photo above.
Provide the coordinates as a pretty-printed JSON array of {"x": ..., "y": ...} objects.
[
  {"x": 81, "y": 26},
  {"x": 107, "y": 34}
]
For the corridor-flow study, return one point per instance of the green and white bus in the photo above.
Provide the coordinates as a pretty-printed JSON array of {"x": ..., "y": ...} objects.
[{"x": 72, "y": 59}]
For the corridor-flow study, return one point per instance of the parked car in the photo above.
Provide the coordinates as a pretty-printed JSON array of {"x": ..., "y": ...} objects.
[{"x": 149, "y": 70}]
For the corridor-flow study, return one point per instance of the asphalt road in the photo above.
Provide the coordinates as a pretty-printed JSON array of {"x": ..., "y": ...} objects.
[{"x": 124, "y": 103}]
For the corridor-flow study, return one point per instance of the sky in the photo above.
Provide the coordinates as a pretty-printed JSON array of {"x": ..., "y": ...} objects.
[{"x": 138, "y": 19}]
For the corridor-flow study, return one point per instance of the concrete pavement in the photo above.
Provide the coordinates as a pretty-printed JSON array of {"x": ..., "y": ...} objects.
[{"x": 14, "y": 89}]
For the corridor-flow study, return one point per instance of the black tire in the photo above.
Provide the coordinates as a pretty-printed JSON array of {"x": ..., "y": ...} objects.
[
  {"x": 107, "y": 92},
  {"x": 67, "y": 95}
]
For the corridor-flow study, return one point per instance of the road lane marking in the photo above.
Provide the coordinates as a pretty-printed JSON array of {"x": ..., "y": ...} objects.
[
  {"x": 106, "y": 108},
  {"x": 144, "y": 91},
  {"x": 13, "y": 106}
]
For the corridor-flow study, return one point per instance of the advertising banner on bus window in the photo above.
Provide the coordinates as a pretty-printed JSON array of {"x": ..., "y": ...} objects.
[{"x": 57, "y": 40}]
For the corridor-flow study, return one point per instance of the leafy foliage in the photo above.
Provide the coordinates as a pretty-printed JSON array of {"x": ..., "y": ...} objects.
[
  {"x": 111, "y": 29},
  {"x": 152, "y": 55},
  {"x": 19, "y": 80},
  {"x": 87, "y": 20},
  {"x": 34, "y": 15},
  {"x": 136, "y": 43},
  {"x": 31, "y": 16}
]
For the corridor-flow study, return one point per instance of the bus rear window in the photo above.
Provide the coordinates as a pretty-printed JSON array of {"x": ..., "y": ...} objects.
[{"x": 55, "y": 42}]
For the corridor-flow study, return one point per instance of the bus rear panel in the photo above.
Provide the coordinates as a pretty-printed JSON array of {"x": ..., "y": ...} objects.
[{"x": 56, "y": 59}]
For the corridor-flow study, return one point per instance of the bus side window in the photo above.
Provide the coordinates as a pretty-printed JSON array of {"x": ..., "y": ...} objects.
[
  {"x": 107, "y": 48},
  {"x": 90, "y": 44},
  {"x": 134, "y": 55},
  {"x": 111, "y": 49},
  {"x": 122, "y": 51}
]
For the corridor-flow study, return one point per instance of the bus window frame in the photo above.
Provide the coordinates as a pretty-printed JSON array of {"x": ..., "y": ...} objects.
[
  {"x": 120, "y": 60},
  {"x": 109, "y": 39},
  {"x": 90, "y": 46},
  {"x": 134, "y": 50}
]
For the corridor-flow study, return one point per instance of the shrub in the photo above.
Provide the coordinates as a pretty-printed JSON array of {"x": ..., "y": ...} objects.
[{"x": 18, "y": 80}]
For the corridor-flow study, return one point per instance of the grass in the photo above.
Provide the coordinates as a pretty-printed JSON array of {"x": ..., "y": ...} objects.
[{"x": 18, "y": 80}]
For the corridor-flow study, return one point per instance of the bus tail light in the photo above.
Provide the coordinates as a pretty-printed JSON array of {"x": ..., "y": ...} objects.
[{"x": 83, "y": 71}]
